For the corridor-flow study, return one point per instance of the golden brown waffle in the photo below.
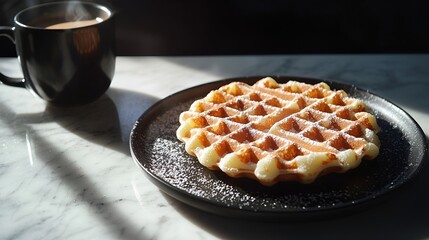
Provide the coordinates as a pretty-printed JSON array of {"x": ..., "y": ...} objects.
[{"x": 279, "y": 132}]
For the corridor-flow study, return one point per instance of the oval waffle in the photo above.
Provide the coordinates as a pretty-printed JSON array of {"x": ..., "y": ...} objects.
[{"x": 279, "y": 132}]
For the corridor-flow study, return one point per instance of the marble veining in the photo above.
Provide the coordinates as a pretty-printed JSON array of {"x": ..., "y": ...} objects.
[{"x": 67, "y": 173}]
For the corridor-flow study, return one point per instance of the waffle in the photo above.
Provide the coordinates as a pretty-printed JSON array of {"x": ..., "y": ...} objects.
[{"x": 275, "y": 132}]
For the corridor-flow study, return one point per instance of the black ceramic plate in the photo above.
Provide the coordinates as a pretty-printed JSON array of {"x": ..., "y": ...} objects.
[{"x": 156, "y": 150}]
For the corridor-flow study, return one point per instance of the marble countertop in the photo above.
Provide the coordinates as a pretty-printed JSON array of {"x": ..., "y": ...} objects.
[{"x": 67, "y": 173}]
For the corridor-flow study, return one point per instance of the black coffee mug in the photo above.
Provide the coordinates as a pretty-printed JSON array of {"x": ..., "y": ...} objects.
[{"x": 66, "y": 51}]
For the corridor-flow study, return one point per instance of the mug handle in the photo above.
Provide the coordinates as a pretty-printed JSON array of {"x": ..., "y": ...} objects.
[{"x": 15, "y": 82}]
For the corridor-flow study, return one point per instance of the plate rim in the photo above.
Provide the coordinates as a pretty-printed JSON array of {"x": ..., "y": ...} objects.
[{"x": 179, "y": 194}]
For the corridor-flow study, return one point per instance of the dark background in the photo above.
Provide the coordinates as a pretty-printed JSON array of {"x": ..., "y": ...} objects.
[{"x": 220, "y": 27}]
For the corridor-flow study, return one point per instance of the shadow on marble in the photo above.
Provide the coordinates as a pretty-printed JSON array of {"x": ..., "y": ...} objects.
[
  {"x": 402, "y": 216},
  {"x": 412, "y": 95},
  {"x": 84, "y": 191},
  {"x": 107, "y": 121},
  {"x": 97, "y": 121},
  {"x": 129, "y": 107}
]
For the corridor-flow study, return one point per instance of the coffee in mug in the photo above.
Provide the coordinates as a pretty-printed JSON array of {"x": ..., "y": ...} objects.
[
  {"x": 73, "y": 24},
  {"x": 66, "y": 51}
]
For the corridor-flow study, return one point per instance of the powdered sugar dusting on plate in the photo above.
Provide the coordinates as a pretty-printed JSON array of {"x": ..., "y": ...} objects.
[
  {"x": 156, "y": 149},
  {"x": 169, "y": 161}
]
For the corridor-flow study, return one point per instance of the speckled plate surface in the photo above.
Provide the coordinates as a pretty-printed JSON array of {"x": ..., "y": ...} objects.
[{"x": 156, "y": 150}]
